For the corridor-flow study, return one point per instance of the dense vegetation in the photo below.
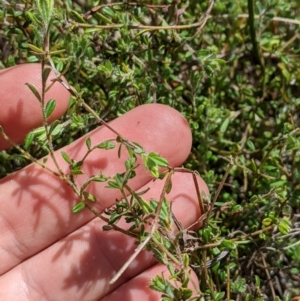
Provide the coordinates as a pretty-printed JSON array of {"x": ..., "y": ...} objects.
[{"x": 232, "y": 69}]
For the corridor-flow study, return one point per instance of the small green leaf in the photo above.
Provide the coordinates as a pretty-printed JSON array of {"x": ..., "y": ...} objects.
[
  {"x": 168, "y": 187},
  {"x": 78, "y": 207},
  {"x": 108, "y": 11},
  {"x": 257, "y": 281},
  {"x": 32, "y": 59},
  {"x": 34, "y": 91},
  {"x": 154, "y": 172},
  {"x": 77, "y": 17},
  {"x": 45, "y": 74},
  {"x": 206, "y": 233},
  {"x": 32, "y": 17},
  {"x": 228, "y": 244},
  {"x": 139, "y": 150},
  {"x": 262, "y": 236},
  {"x": 28, "y": 140},
  {"x": 185, "y": 260},
  {"x": 151, "y": 163},
  {"x": 117, "y": 183},
  {"x": 250, "y": 144},
  {"x": 56, "y": 129},
  {"x": 89, "y": 197},
  {"x": 77, "y": 172},
  {"x": 112, "y": 184},
  {"x": 50, "y": 106},
  {"x": 186, "y": 293},
  {"x": 146, "y": 207},
  {"x": 171, "y": 269},
  {"x": 104, "y": 19},
  {"x": 267, "y": 221},
  {"x": 219, "y": 296},
  {"x": 75, "y": 168},
  {"x": 185, "y": 282},
  {"x": 88, "y": 143},
  {"x": 160, "y": 161},
  {"x": 284, "y": 226},
  {"x": 215, "y": 266},
  {"x": 100, "y": 178},
  {"x": 158, "y": 284},
  {"x": 267, "y": 134},
  {"x": 106, "y": 145},
  {"x": 35, "y": 49},
  {"x": 129, "y": 163},
  {"x": 66, "y": 157},
  {"x": 278, "y": 183},
  {"x": 239, "y": 285},
  {"x": 224, "y": 125}
]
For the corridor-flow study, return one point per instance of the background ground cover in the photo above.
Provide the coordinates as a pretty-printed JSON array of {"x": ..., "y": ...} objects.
[{"x": 232, "y": 69}]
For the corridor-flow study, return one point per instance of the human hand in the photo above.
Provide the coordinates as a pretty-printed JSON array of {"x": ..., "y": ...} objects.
[{"x": 48, "y": 253}]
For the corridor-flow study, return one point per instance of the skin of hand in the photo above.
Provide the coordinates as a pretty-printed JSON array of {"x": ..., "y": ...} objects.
[{"x": 48, "y": 253}]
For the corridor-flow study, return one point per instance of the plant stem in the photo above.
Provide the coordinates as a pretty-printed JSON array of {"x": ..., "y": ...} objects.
[{"x": 256, "y": 53}]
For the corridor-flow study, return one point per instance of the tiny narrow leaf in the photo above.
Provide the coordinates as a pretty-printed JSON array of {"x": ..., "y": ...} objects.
[
  {"x": 138, "y": 150},
  {"x": 228, "y": 244},
  {"x": 224, "y": 125},
  {"x": 28, "y": 140},
  {"x": 75, "y": 168},
  {"x": 35, "y": 49},
  {"x": 34, "y": 91},
  {"x": 89, "y": 197},
  {"x": 186, "y": 293},
  {"x": 284, "y": 226},
  {"x": 56, "y": 129},
  {"x": 160, "y": 161},
  {"x": 78, "y": 207},
  {"x": 168, "y": 186},
  {"x": 45, "y": 74},
  {"x": 88, "y": 143},
  {"x": 100, "y": 178},
  {"x": 154, "y": 172},
  {"x": 50, "y": 106},
  {"x": 267, "y": 221},
  {"x": 77, "y": 16},
  {"x": 76, "y": 172},
  {"x": 66, "y": 157},
  {"x": 106, "y": 145},
  {"x": 185, "y": 260}
]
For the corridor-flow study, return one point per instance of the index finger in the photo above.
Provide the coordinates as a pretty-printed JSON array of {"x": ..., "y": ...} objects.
[{"x": 20, "y": 110}]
